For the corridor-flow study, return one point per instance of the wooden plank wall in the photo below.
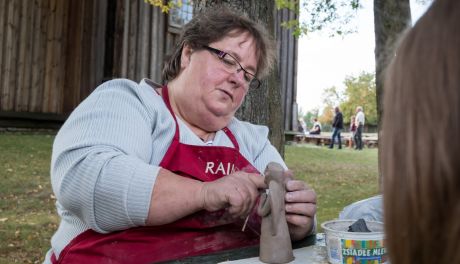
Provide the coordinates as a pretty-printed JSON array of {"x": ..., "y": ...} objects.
[
  {"x": 287, "y": 48},
  {"x": 140, "y": 41},
  {"x": 49, "y": 53},
  {"x": 85, "y": 51},
  {"x": 53, "y": 53},
  {"x": 32, "y": 37}
]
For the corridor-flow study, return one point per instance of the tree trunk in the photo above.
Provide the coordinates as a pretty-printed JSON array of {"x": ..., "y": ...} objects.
[
  {"x": 261, "y": 106},
  {"x": 391, "y": 18}
]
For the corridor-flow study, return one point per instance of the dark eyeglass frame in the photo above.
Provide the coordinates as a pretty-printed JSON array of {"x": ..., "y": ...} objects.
[{"x": 254, "y": 83}]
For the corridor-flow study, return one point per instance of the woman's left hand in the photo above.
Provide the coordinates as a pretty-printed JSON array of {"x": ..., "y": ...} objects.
[{"x": 300, "y": 207}]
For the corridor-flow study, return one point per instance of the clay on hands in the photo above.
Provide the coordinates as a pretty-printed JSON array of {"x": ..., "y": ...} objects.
[{"x": 275, "y": 241}]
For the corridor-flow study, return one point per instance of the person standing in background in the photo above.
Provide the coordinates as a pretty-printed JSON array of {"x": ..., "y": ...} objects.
[
  {"x": 359, "y": 121},
  {"x": 352, "y": 131},
  {"x": 337, "y": 126}
]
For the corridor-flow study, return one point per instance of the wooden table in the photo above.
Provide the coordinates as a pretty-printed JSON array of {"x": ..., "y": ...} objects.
[{"x": 308, "y": 250}]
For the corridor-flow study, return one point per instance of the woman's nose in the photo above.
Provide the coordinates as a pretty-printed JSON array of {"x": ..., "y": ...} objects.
[{"x": 237, "y": 78}]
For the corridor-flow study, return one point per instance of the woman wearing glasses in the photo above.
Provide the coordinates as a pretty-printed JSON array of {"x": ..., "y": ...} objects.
[{"x": 145, "y": 174}]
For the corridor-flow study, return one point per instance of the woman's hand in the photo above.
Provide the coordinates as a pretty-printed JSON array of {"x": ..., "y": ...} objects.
[
  {"x": 237, "y": 192},
  {"x": 300, "y": 207}
]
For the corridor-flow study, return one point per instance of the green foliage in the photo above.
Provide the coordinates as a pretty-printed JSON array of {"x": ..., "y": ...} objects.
[
  {"x": 326, "y": 118},
  {"x": 297, "y": 29},
  {"x": 165, "y": 6},
  {"x": 331, "y": 16},
  {"x": 289, "y": 4},
  {"x": 332, "y": 97},
  {"x": 360, "y": 91}
]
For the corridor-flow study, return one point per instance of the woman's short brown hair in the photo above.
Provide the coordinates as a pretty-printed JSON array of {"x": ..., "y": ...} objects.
[
  {"x": 421, "y": 141},
  {"x": 211, "y": 26}
]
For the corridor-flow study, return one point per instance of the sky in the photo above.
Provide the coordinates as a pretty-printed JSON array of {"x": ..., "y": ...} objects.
[{"x": 324, "y": 62}]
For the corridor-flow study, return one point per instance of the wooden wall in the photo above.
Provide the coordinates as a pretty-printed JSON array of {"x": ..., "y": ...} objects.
[
  {"x": 53, "y": 53},
  {"x": 287, "y": 49},
  {"x": 84, "y": 52},
  {"x": 142, "y": 39},
  {"x": 31, "y": 55}
]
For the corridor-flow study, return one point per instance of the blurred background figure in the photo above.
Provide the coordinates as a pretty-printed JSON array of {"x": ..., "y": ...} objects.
[
  {"x": 337, "y": 126},
  {"x": 352, "y": 131},
  {"x": 359, "y": 121},
  {"x": 316, "y": 130}
]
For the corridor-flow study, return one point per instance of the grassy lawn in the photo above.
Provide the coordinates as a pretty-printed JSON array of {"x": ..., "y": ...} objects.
[
  {"x": 27, "y": 214},
  {"x": 28, "y": 218},
  {"x": 339, "y": 177}
]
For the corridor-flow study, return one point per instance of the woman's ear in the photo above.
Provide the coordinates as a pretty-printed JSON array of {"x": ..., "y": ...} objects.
[{"x": 185, "y": 56}]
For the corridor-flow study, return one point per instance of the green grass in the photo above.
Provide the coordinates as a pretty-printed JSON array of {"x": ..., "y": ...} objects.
[
  {"x": 339, "y": 177},
  {"x": 28, "y": 217},
  {"x": 27, "y": 214}
]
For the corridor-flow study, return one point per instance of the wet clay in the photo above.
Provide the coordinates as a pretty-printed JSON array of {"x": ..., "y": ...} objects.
[{"x": 275, "y": 242}]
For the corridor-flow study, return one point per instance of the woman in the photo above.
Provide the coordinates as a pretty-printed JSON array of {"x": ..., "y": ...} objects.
[
  {"x": 420, "y": 166},
  {"x": 145, "y": 175},
  {"x": 316, "y": 130}
]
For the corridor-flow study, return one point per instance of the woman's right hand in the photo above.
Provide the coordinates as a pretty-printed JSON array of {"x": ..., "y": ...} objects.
[{"x": 237, "y": 192}]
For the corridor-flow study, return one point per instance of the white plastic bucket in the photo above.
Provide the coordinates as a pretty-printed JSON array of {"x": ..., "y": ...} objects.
[{"x": 354, "y": 247}]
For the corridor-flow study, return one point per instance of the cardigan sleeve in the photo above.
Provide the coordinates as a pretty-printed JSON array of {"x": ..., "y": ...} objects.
[{"x": 100, "y": 165}]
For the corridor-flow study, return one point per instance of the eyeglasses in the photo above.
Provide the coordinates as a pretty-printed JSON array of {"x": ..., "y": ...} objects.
[{"x": 232, "y": 65}]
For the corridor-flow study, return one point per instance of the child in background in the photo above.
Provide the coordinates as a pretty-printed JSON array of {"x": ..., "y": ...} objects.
[{"x": 352, "y": 131}]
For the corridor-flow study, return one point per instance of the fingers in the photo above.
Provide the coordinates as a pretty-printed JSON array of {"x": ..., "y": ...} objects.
[
  {"x": 299, "y": 226},
  {"x": 305, "y": 209},
  {"x": 241, "y": 200},
  {"x": 289, "y": 175},
  {"x": 298, "y": 220},
  {"x": 298, "y": 191},
  {"x": 300, "y": 208},
  {"x": 237, "y": 192},
  {"x": 257, "y": 180}
]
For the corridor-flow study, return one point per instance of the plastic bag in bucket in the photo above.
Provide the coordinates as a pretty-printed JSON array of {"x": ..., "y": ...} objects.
[{"x": 354, "y": 247}]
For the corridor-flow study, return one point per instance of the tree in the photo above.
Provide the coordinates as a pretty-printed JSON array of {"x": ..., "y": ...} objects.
[
  {"x": 326, "y": 118},
  {"x": 391, "y": 18},
  {"x": 331, "y": 16},
  {"x": 360, "y": 91},
  {"x": 261, "y": 106},
  {"x": 332, "y": 97}
]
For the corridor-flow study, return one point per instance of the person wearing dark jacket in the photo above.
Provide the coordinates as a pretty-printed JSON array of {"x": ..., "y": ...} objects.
[{"x": 337, "y": 126}]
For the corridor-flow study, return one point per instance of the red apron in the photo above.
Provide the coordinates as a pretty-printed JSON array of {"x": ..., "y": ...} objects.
[{"x": 200, "y": 233}]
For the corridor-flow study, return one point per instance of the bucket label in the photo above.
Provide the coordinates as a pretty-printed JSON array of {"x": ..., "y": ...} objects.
[{"x": 363, "y": 251}]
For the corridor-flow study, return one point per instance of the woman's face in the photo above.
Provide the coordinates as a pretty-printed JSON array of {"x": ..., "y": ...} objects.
[{"x": 209, "y": 91}]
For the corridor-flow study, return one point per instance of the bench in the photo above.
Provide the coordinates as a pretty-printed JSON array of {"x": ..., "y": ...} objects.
[
  {"x": 369, "y": 140},
  {"x": 293, "y": 136}
]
